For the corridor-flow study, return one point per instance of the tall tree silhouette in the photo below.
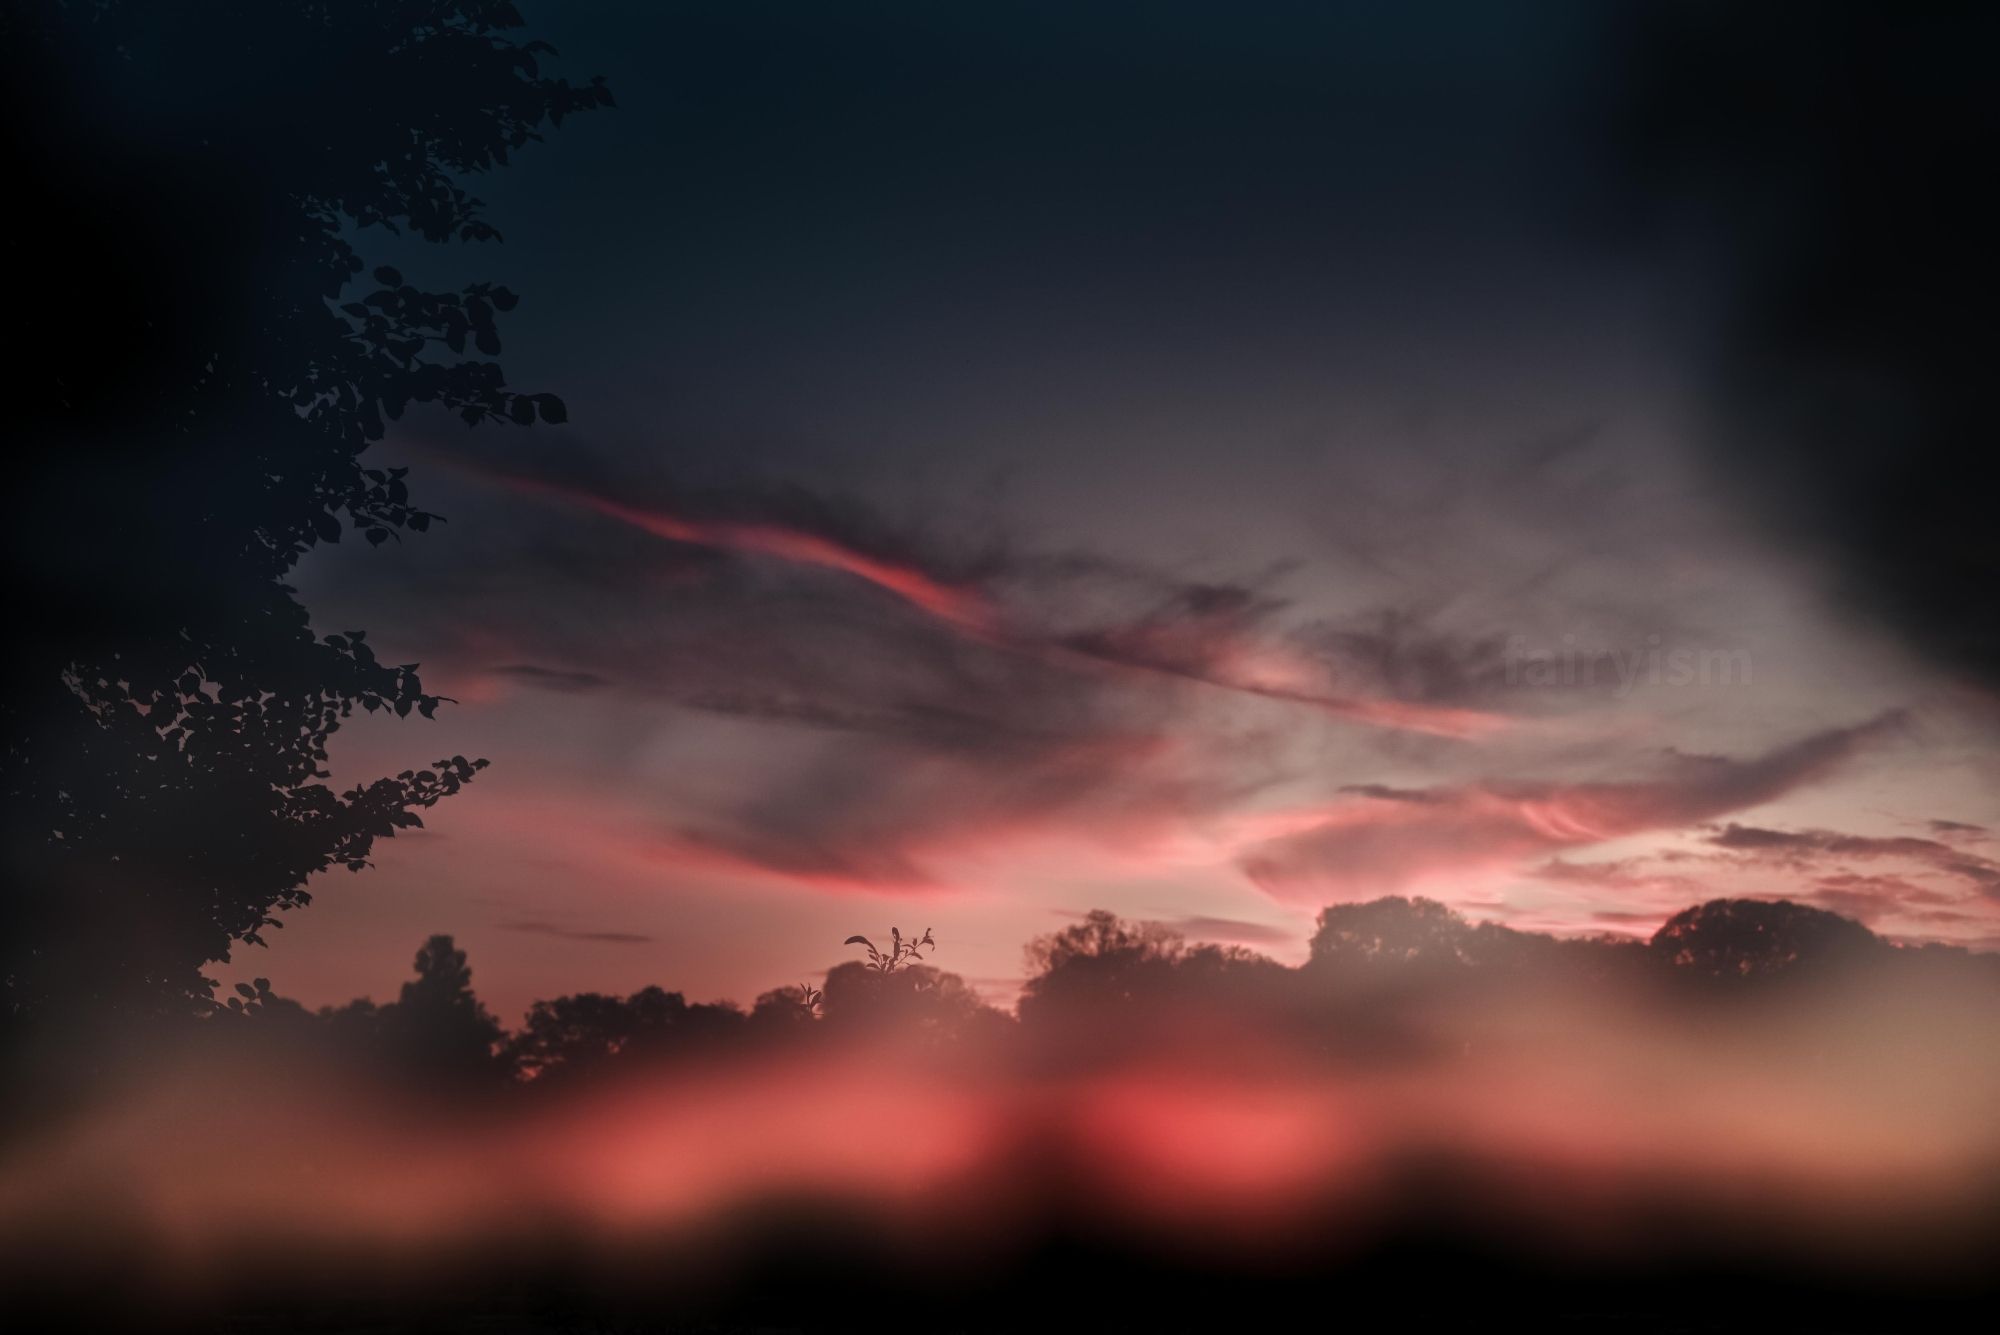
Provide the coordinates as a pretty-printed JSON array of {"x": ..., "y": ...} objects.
[
  {"x": 197, "y": 387},
  {"x": 438, "y": 1025}
]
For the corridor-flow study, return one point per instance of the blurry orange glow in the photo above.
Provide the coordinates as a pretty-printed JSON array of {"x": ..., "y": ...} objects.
[{"x": 1560, "y": 1117}]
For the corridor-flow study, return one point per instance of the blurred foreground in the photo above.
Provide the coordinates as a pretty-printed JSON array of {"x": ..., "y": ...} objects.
[{"x": 1163, "y": 1138}]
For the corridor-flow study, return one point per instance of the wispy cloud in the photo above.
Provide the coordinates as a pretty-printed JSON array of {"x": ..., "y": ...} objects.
[
  {"x": 535, "y": 927},
  {"x": 1216, "y": 635},
  {"x": 1374, "y": 845},
  {"x": 1805, "y": 848},
  {"x": 552, "y": 679}
]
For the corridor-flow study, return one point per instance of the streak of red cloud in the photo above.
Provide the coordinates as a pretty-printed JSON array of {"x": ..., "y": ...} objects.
[
  {"x": 957, "y": 604},
  {"x": 1202, "y": 653}
]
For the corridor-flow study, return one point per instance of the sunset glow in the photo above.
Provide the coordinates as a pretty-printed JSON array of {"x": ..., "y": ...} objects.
[{"x": 803, "y": 667}]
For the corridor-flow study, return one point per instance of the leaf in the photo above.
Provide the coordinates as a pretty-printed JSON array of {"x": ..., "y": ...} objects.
[
  {"x": 388, "y": 277},
  {"x": 551, "y": 408},
  {"x": 328, "y": 526},
  {"x": 858, "y": 941}
]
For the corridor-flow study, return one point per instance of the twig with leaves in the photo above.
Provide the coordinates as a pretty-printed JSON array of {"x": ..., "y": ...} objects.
[{"x": 900, "y": 952}]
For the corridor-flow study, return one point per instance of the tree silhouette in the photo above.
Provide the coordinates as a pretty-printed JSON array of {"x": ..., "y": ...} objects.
[
  {"x": 1749, "y": 941},
  {"x": 1097, "y": 962},
  {"x": 1392, "y": 979},
  {"x": 1390, "y": 933},
  {"x": 201, "y": 389},
  {"x": 582, "y": 1035},
  {"x": 1143, "y": 976},
  {"x": 916, "y": 1001},
  {"x": 1400, "y": 939},
  {"x": 438, "y": 1027}
]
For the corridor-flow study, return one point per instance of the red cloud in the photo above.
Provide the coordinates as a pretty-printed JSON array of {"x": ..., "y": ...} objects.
[{"x": 957, "y": 604}]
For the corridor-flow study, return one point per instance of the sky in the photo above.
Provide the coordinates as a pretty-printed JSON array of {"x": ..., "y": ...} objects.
[{"x": 1028, "y": 460}]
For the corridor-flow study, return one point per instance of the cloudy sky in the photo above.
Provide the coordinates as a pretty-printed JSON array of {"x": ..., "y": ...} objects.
[{"x": 1033, "y": 460}]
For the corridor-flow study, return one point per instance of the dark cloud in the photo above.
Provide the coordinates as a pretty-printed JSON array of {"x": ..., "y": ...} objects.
[
  {"x": 552, "y": 679},
  {"x": 1398, "y": 652},
  {"x": 1626, "y": 918},
  {"x": 1801, "y": 848},
  {"x": 538, "y": 928},
  {"x": 1383, "y": 792}
]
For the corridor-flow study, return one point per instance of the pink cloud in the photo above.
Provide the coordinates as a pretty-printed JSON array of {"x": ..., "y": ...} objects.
[{"x": 1374, "y": 844}]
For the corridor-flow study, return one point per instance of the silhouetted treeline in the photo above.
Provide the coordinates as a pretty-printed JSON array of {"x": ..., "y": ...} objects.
[{"x": 1104, "y": 985}]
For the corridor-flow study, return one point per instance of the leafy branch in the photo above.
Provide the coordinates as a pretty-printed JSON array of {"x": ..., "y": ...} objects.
[{"x": 900, "y": 952}]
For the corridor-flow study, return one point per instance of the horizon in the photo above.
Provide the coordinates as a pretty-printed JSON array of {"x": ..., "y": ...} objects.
[{"x": 1005, "y": 994}]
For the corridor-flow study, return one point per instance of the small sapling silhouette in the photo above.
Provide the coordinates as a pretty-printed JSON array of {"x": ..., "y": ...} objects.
[{"x": 900, "y": 952}]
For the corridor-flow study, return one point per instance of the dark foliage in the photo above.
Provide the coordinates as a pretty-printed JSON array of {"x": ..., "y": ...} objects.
[
  {"x": 916, "y": 1002},
  {"x": 577, "y": 1036},
  {"x": 201, "y": 369},
  {"x": 1751, "y": 941}
]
